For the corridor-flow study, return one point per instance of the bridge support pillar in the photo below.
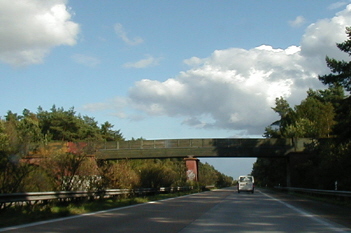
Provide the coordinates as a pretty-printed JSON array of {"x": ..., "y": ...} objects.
[{"x": 192, "y": 165}]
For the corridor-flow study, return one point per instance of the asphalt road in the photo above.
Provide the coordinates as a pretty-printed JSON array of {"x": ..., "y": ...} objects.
[{"x": 217, "y": 211}]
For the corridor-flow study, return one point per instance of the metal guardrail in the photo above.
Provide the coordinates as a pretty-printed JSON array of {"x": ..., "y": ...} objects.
[
  {"x": 317, "y": 191},
  {"x": 45, "y": 196}
]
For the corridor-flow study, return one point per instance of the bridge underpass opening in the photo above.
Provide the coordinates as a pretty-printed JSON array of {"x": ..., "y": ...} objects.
[{"x": 233, "y": 167}]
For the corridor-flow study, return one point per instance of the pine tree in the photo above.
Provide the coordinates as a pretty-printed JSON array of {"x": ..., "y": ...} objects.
[{"x": 341, "y": 76}]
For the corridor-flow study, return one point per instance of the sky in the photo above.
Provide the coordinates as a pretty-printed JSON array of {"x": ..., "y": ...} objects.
[{"x": 161, "y": 69}]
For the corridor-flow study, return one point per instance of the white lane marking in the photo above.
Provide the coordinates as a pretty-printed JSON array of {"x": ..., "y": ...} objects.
[
  {"x": 332, "y": 227},
  {"x": 65, "y": 218},
  {"x": 88, "y": 214}
]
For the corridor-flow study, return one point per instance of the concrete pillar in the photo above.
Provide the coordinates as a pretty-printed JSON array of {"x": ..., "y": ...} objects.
[{"x": 192, "y": 165}]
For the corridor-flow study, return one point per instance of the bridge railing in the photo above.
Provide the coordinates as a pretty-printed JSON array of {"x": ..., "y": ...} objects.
[
  {"x": 215, "y": 147},
  {"x": 203, "y": 143},
  {"x": 182, "y": 148},
  {"x": 155, "y": 144}
]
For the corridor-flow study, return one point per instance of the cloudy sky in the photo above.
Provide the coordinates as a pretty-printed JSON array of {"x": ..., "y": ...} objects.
[{"x": 168, "y": 69}]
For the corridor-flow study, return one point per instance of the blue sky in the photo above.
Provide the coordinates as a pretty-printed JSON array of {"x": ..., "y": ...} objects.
[{"x": 168, "y": 69}]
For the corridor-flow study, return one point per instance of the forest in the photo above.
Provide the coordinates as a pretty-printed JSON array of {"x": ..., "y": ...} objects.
[
  {"x": 324, "y": 116},
  {"x": 44, "y": 135}
]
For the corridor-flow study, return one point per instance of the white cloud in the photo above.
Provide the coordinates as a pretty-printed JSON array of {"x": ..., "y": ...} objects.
[
  {"x": 143, "y": 63},
  {"x": 337, "y": 5},
  {"x": 194, "y": 122},
  {"x": 29, "y": 29},
  {"x": 192, "y": 61},
  {"x": 119, "y": 29},
  {"x": 235, "y": 88},
  {"x": 321, "y": 37},
  {"x": 86, "y": 60},
  {"x": 297, "y": 22},
  {"x": 96, "y": 107},
  {"x": 114, "y": 104}
]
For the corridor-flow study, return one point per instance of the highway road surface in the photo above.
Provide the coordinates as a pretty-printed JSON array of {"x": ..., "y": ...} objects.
[{"x": 221, "y": 210}]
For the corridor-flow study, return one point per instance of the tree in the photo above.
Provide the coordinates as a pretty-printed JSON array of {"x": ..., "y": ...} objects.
[
  {"x": 207, "y": 174},
  {"x": 341, "y": 70},
  {"x": 315, "y": 119},
  {"x": 59, "y": 124},
  {"x": 65, "y": 125},
  {"x": 12, "y": 171},
  {"x": 157, "y": 173},
  {"x": 277, "y": 128},
  {"x": 67, "y": 170},
  {"x": 286, "y": 114},
  {"x": 334, "y": 95},
  {"x": 269, "y": 172},
  {"x": 109, "y": 134},
  {"x": 119, "y": 174},
  {"x": 89, "y": 128},
  {"x": 223, "y": 180},
  {"x": 336, "y": 155},
  {"x": 341, "y": 76}
]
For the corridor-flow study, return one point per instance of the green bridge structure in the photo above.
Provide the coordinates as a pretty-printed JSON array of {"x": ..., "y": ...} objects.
[
  {"x": 202, "y": 148},
  {"x": 192, "y": 149}
]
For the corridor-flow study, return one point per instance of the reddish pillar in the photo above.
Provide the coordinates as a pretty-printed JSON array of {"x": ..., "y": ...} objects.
[{"x": 192, "y": 172}]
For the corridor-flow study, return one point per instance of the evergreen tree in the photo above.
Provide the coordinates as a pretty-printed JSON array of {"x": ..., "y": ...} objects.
[
  {"x": 341, "y": 70},
  {"x": 109, "y": 134},
  {"x": 341, "y": 76},
  {"x": 286, "y": 114}
]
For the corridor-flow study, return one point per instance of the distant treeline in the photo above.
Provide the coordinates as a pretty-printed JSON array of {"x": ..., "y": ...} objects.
[{"x": 323, "y": 114}]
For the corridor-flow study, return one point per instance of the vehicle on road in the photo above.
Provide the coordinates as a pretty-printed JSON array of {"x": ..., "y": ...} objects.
[{"x": 246, "y": 183}]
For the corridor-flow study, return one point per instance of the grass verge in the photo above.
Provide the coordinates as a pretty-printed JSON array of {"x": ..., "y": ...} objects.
[
  {"x": 340, "y": 201},
  {"x": 17, "y": 215}
]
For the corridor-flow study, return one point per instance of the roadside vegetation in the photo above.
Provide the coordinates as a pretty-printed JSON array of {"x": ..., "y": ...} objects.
[
  {"x": 18, "y": 215},
  {"x": 55, "y": 151},
  {"x": 323, "y": 114}
]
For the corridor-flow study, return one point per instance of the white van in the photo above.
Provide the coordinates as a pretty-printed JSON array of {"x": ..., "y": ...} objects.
[{"x": 246, "y": 183}]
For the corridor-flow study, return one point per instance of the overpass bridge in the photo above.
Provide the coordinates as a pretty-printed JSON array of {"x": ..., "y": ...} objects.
[
  {"x": 201, "y": 148},
  {"x": 191, "y": 149}
]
